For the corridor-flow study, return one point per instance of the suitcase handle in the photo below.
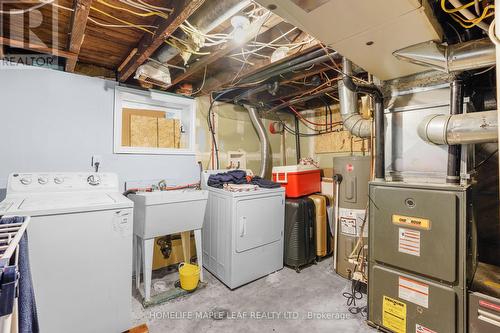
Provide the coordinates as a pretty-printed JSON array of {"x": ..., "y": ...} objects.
[{"x": 285, "y": 180}]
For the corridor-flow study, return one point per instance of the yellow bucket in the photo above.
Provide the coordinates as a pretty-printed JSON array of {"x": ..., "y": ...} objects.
[{"x": 189, "y": 275}]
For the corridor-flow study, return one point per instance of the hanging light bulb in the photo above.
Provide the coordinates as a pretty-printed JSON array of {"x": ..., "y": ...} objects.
[{"x": 240, "y": 31}]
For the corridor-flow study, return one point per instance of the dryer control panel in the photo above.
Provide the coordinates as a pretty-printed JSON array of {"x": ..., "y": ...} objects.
[{"x": 44, "y": 182}]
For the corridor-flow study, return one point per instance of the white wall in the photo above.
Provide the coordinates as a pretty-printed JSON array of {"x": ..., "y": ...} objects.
[{"x": 55, "y": 121}]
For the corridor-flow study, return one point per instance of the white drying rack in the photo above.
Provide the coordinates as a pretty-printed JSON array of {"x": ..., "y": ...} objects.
[{"x": 10, "y": 236}]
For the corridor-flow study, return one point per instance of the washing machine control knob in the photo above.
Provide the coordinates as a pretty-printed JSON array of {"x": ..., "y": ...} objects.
[
  {"x": 93, "y": 180},
  {"x": 25, "y": 180},
  {"x": 43, "y": 180},
  {"x": 58, "y": 180}
]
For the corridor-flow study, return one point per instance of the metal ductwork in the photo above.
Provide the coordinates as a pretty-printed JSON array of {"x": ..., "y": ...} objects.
[
  {"x": 353, "y": 121},
  {"x": 450, "y": 58},
  {"x": 378, "y": 98},
  {"x": 265, "y": 146},
  {"x": 467, "y": 128}
]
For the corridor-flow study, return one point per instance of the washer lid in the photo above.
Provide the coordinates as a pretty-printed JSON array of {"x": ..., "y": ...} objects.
[{"x": 59, "y": 203}]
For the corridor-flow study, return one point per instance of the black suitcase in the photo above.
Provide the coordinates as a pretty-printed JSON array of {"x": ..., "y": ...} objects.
[{"x": 300, "y": 247}]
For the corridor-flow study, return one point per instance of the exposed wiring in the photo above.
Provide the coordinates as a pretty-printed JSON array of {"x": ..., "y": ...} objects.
[
  {"x": 211, "y": 125},
  {"x": 477, "y": 166},
  {"x": 454, "y": 12},
  {"x": 262, "y": 47},
  {"x": 492, "y": 34},
  {"x": 147, "y": 14},
  {"x": 119, "y": 25},
  {"x": 202, "y": 84},
  {"x": 484, "y": 71},
  {"x": 122, "y": 21},
  {"x": 305, "y": 119},
  {"x": 170, "y": 10}
]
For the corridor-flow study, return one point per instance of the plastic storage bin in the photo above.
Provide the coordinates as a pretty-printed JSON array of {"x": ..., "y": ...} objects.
[{"x": 298, "y": 180}]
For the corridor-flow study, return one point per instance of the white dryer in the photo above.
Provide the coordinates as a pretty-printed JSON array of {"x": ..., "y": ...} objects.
[
  {"x": 242, "y": 233},
  {"x": 80, "y": 248}
]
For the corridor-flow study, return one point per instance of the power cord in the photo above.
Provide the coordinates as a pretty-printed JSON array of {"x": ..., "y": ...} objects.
[{"x": 352, "y": 296}]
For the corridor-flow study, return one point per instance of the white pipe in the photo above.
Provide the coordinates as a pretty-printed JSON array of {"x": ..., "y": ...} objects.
[{"x": 336, "y": 224}]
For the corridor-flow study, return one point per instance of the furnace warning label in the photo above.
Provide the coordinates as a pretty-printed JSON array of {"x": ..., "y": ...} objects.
[
  {"x": 413, "y": 291},
  {"x": 409, "y": 241},
  {"x": 422, "y": 329},
  {"x": 394, "y": 315}
]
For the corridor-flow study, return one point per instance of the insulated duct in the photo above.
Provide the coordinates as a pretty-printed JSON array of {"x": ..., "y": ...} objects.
[
  {"x": 376, "y": 93},
  {"x": 265, "y": 147},
  {"x": 469, "y": 55},
  {"x": 467, "y": 128},
  {"x": 353, "y": 121}
]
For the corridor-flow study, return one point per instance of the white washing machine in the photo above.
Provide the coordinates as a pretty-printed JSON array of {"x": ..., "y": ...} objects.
[
  {"x": 242, "y": 233},
  {"x": 80, "y": 248}
]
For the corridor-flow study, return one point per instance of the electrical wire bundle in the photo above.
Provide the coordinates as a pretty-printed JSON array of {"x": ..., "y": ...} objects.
[{"x": 467, "y": 23}]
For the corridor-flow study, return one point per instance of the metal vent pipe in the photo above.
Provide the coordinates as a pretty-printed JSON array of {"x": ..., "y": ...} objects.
[
  {"x": 467, "y": 128},
  {"x": 348, "y": 99},
  {"x": 376, "y": 93},
  {"x": 265, "y": 147},
  {"x": 464, "y": 56}
]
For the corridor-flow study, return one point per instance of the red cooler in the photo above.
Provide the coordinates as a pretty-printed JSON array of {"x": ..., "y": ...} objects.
[{"x": 298, "y": 180}]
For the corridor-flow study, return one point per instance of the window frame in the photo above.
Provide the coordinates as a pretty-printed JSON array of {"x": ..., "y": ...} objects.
[{"x": 155, "y": 99}]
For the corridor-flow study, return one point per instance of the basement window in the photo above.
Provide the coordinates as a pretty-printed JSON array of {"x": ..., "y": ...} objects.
[{"x": 152, "y": 122}]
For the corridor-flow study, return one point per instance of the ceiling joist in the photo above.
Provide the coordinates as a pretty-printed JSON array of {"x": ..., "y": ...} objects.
[
  {"x": 148, "y": 44},
  {"x": 78, "y": 24}
]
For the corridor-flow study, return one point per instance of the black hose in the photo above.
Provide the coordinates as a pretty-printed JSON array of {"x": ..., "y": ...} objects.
[
  {"x": 455, "y": 151},
  {"x": 297, "y": 139}
]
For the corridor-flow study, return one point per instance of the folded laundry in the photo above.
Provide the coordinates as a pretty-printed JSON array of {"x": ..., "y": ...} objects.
[
  {"x": 240, "y": 187},
  {"x": 231, "y": 177}
]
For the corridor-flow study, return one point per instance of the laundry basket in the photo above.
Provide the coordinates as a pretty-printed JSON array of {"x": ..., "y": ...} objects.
[{"x": 189, "y": 275}]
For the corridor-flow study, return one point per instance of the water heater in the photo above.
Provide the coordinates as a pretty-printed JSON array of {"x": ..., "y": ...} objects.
[{"x": 352, "y": 174}]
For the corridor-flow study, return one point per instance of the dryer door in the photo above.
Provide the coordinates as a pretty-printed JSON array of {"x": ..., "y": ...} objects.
[{"x": 259, "y": 221}]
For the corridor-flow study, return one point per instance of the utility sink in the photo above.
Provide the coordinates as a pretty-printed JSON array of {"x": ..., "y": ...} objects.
[
  {"x": 163, "y": 213},
  {"x": 168, "y": 212}
]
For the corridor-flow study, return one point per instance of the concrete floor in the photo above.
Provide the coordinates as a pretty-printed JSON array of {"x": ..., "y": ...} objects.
[{"x": 316, "y": 291}]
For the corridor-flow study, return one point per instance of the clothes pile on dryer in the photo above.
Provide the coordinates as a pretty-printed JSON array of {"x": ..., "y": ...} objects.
[{"x": 239, "y": 177}]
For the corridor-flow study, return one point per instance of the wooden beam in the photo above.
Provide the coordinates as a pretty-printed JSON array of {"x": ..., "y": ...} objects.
[
  {"x": 37, "y": 48},
  {"x": 149, "y": 44},
  {"x": 78, "y": 24},
  {"x": 256, "y": 28}
]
